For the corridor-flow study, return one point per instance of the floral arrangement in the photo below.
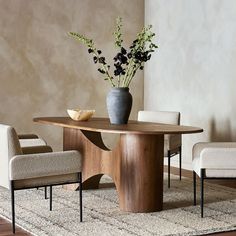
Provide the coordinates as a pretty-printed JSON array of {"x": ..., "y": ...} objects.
[{"x": 126, "y": 62}]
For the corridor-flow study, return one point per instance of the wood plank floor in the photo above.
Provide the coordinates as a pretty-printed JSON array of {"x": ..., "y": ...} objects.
[{"x": 5, "y": 226}]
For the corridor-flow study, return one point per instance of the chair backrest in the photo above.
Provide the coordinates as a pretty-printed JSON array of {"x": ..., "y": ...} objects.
[
  {"x": 166, "y": 117},
  {"x": 9, "y": 147}
]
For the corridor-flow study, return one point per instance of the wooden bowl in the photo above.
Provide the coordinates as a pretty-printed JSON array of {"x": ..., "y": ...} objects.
[{"x": 80, "y": 115}]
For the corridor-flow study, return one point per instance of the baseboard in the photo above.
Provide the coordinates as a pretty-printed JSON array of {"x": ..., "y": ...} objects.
[
  {"x": 175, "y": 163},
  {"x": 175, "y": 170}
]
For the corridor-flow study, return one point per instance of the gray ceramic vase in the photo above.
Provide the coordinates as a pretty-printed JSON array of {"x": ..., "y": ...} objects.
[{"x": 119, "y": 104}]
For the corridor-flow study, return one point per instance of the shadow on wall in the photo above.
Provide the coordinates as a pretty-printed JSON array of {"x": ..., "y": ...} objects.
[{"x": 221, "y": 132}]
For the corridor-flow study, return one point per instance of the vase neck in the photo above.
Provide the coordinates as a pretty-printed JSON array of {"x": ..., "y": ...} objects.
[{"x": 121, "y": 88}]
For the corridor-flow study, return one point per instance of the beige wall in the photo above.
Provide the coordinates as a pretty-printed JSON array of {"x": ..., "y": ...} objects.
[
  {"x": 194, "y": 71},
  {"x": 43, "y": 72}
]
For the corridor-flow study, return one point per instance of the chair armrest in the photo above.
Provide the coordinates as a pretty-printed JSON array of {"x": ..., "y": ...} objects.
[
  {"x": 27, "y": 136},
  {"x": 44, "y": 164},
  {"x": 32, "y": 142},
  {"x": 36, "y": 149},
  {"x": 218, "y": 158}
]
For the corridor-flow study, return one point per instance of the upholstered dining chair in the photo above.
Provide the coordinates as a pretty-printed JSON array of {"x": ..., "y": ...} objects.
[
  {"x": 172, "y": 142},
  {"x": 23, "y": 171},
  {"x": 30, "y": 144},
  {"x": 213, "y": 160}
]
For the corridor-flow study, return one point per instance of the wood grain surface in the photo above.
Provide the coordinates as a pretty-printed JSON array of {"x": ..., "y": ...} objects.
[
  {"x": 133, "y": 165},
  {"x": 103, "y": 125}
]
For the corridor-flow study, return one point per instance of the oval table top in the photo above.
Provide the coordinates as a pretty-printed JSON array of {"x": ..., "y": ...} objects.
[{"x": 133, "y": 127}]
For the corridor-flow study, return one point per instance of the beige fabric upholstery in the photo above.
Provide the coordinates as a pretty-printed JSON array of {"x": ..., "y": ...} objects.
[
  {"x": 45, "y": 164},
  {"x": 164, "y": 117},
  {"x": 9, "y": 147},
  {"x": 171, "y": 141},
  {"x": 218, "y": 158},
  {"x": 20, "y": 171},
  {"x": 34, "y": 169},
  {"x": 32, "y": 142}
]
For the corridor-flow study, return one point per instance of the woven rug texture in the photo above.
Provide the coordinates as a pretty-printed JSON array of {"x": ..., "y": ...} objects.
[{"x": 103, "y": 217}]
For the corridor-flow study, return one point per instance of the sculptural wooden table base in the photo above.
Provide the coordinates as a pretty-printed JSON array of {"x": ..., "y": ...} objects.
[{"x": 135, "y": 164}]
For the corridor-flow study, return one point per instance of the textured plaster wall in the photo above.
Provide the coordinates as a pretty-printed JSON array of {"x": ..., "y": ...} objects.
[
  {"x": 43, "y": 72},
  {"x": 194, "y": 69}
]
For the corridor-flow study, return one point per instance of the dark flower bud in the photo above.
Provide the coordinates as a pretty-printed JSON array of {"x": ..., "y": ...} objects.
[
  {"x": 123, "y": 51},
  {"x": 116, "y": 72},
  {"x": 101, "y": 71},
  {"x": 144, "y": 58},
  {"x": 119, "y": 56},
  {"x": 138, "y": 56},
  {"x": 99, "y": 51},
  {"x": 124, "y": 60},
  {"x": 95, "y": 59},
  {"x": 102, "y": 60},
  {"x": 117, "y": 64},
  {"x": 90, "y": 50},
  {"x": 119, "y": 68}
]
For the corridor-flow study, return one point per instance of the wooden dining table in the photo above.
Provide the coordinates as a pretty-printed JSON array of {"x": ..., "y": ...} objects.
[{"x": 135, "y": 164}]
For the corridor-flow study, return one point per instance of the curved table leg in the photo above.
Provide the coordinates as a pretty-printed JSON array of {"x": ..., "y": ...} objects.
[
  {"x": 96, "y": 156},
  {"x": 135, "y": 165},
  {"x": 93, "y": 182}
]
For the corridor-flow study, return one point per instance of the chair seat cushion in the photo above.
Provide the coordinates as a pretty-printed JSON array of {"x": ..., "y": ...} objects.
[
  {"x": 213, "y": 173},
  {"x": 44, "y": 164},
  {"x": 198, "y": 147},
  {"x": 217, "y": 158}
]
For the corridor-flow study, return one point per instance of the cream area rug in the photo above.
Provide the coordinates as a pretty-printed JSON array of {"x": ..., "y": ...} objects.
[{"x": 102, "y": 215}]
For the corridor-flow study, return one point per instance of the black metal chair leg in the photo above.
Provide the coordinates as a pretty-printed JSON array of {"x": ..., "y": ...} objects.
[
  {"x": 202, "y": 191},
  {"x": 80, "y": 197},
  {"x": 168, "y": 169},
  {"x": 13, "y": 207},
  {"x": 194, "y": 189},
  {"x": 45, "y": 193},
  {"x": 180, "y": 162},
  {"x": 50, "y": 198}
]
